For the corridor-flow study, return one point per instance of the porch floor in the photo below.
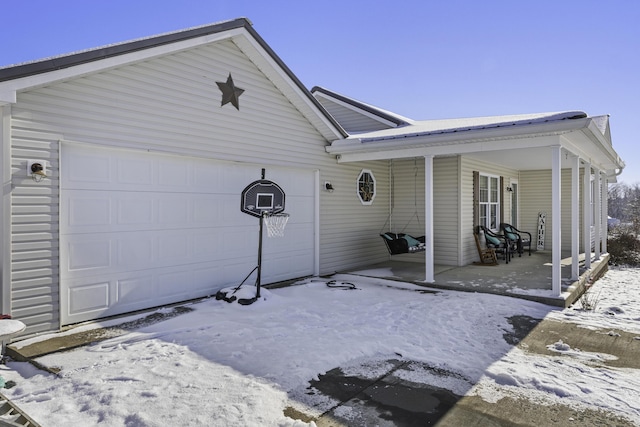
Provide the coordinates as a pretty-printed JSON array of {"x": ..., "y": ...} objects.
[{"x": 527, "y": 277}]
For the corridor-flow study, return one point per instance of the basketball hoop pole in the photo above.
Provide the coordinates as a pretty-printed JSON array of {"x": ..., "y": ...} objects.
[{"x": 259, "y": 273}]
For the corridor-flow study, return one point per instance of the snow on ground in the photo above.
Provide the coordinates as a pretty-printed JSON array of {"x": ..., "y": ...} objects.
[{"x": 228, "y": 364}]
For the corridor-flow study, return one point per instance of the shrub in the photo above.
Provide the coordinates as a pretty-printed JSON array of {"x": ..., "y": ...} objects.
[{"x": 624, "y": 249}]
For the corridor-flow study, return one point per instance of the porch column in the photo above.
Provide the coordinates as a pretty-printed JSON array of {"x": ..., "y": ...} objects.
[
  {"x": 597, "y": 221},
  {"x": 5, "y": 209},
  {"x": 575, "y": 217},
  {"x": 605, "y": 211},
  {"x": 586, "y": 214},
  {"x": 556, "y": 216},
  {"x": 428, "y": 219}
]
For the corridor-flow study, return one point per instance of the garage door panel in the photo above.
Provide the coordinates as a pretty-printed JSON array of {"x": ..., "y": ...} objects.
[
  {"x": 133, "y": 209},
  {"x": 173, "y": 210},
  {"x": 90, "y": 253},
  {"x": 89, "y": 297},
  {"x": 292, "y": 182},
  {"x": 137, "y": 171},
  {"x": 89, "y": 211},
  {"x": 175, "y": 284},
  {"x": 135, "y": 290},
  {"x": 134, "y": 251},
  {"x": 148, "y": 229},
  {"x": 300, "y": 209},
  {"x": 172, "y": 174},
  {"x": 87, "y": 169}
]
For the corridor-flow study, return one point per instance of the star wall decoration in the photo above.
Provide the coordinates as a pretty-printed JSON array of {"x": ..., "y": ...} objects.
[{"x": 230, "y": 93}]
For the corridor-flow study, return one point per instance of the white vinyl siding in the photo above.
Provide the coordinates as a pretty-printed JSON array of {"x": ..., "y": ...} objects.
[
  {"x": 170, "y": 105},
  {"x": 535, "y": 188},
  {"x": 349, "y": 230},
  {"x": 34, "y": 232},
  {"x": 409, "y": 205},
  {"x": 468, "y": 165}
]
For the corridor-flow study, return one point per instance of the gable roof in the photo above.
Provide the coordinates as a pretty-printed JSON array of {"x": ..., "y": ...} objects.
[
  {"x": 15, "y": 78},
  {"x": 386, "y": 119}
]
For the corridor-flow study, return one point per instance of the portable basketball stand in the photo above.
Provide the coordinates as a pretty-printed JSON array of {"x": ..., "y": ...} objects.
[{"x": 263, "y": 199}]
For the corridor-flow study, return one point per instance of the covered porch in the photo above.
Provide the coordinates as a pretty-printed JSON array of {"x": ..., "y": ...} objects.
[
  {"x": 526, "y": 277},
  {"x": 561, "y": 164}
]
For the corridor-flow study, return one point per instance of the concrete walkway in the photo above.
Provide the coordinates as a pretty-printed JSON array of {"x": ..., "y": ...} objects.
[{"x": 388, "y": 399}]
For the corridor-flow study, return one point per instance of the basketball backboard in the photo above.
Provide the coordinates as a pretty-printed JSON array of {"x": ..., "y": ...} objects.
[{"x": 262, "y": 196}]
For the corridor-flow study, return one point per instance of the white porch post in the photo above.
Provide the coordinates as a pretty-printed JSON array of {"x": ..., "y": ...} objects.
[
  {"x": 555, "y": 220},
  {"x": 5, "y": 209},
  {"x": 586, "y": 214},
  {"x": 604, "y": 214},
  {"x": 575, "y": 217},
  {"x": 597, "y": 210},
  {"x": 428, "y": 219}
]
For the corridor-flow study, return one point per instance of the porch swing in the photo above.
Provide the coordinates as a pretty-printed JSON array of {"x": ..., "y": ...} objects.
[{"x": 402, "y": 243}]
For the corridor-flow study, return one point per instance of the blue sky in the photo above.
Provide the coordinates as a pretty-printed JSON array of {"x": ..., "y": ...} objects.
[{"x": 420, "y": 58}]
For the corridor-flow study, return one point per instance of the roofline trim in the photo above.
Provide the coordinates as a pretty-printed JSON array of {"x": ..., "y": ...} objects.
[
  {"x": 13, "y": 72},
  {"x": 394, "y": 119},
  {"x": 354, "y": 145}
]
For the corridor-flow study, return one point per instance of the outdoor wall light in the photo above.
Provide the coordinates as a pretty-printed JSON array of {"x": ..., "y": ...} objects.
[
  {"x": 509, "y": 189},
  {"x": 37, "y": 169},
  {"x": 328, "y": 186}
]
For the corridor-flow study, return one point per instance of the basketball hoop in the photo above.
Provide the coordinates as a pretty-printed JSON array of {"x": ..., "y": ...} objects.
[{"x": 275, "y": 223}]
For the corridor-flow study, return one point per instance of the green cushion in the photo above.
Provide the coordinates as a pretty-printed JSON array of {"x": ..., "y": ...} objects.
[
  {"x": 410, "y": 240},
  {"x": 492, "y": 240}
]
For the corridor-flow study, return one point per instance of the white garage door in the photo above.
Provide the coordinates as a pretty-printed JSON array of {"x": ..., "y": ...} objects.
[{"x": 139, "y": 229}]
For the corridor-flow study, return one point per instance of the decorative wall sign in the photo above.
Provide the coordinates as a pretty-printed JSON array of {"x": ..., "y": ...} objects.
[
  {"x": 542, "y": 221},
  {"x": 230, "y": 93}
]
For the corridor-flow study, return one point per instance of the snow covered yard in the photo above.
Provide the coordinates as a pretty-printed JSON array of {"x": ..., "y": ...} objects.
[{"x": 226, "y": 364}]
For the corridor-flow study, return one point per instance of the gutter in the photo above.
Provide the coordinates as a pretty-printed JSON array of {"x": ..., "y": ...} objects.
[{"x": 454, "y": 137}]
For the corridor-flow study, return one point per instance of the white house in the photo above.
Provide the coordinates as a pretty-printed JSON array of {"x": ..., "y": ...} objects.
[{"x": 146, "y": 146}]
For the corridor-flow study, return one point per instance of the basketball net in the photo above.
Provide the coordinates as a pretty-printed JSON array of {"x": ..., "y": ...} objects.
[{"x": 275, "y": 224}]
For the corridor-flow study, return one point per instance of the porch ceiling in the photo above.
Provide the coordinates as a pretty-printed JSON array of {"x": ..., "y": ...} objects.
[{"x": 521, "y": 159}]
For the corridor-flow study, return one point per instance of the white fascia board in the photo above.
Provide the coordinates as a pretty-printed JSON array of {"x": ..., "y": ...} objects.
[
  {"x": 590, "y": 145},
  {"x": 456, "y": 148},
  {"x": 605, "y": 145},
  {"x": 279, "y": 76},
  {"x": 454, "y": 142},
  {"x": 10, "y": 88}
]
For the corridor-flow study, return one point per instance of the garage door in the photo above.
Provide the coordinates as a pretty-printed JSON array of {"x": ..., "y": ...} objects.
[{"x": 140, "y": 230}]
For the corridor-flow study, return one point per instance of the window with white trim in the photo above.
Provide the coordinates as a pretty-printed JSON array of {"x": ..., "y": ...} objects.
[{"x": 489, "y": 201}]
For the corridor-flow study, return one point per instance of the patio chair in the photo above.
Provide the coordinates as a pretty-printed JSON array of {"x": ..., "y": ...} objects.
[
  {"x": 497, "y": 242},
  {"x": 487, "y": 255},
  {"x": 403, "y": 243},
  {"x": 517, "y": 237}
]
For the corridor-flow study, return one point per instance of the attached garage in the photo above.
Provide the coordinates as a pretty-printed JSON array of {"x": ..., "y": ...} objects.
[
  {"x": 140, "y": 229},
  {"x": 146, "y": 148}
]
